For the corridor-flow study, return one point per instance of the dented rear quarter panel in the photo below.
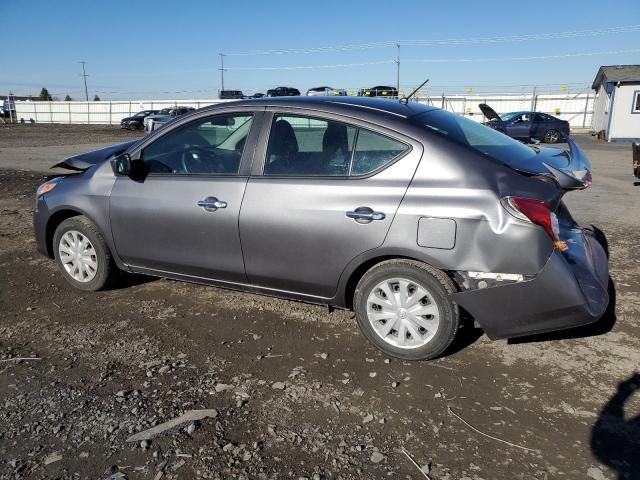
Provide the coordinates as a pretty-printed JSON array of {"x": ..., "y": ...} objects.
[{"x": 453, "y": 182}]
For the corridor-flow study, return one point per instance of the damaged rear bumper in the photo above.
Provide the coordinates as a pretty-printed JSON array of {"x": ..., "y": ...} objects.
[{"x": 570, "y": 291}]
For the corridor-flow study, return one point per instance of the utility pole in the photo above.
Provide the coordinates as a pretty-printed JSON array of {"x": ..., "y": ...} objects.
[
  {"x": 222, "y": 70},
  {"x": 398, "y": 68},
  {"x": 84, "y": 75},
  {"x": 13, "y": 104}
]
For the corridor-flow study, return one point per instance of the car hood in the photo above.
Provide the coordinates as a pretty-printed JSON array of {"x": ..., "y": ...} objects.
[
  {"x": 489, "y": 112},
  {"x": 128, "y": 119},
  {"x": 85, "y": 160},
  {"x": 570, "y": 168}
]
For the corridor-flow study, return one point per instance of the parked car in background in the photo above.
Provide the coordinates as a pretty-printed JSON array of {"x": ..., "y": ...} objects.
[
  {"x": 283, "y": 92},
  {"x": 256, "y": 95},
  {"x": 526, "y": 126},
  {"x": 379, "y": 91},
  {"x": 7, "y": 108},
  {"x": 153, "y": 122},
  {"x": 231, "y": 95},
  {"x": 336, "y": 201},
  {"x": 326, "y": 91},
  {"x": 136, "y": 122}
]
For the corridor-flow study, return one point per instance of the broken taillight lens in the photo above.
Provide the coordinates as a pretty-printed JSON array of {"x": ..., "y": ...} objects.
[{"x": 538, "y": 212}]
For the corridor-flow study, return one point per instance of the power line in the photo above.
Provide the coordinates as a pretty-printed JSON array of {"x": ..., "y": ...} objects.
[
  {"x": 438, "y": 60},
  {"x": 302, "y": 67},
  {"x": 513, "y": 59},
  {"x": 448, "y": 41}
]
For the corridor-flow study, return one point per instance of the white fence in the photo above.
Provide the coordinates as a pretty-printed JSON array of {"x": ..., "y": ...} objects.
[
  {"x": 105, "y": 113},
  {"x": 576, "y": 109}
]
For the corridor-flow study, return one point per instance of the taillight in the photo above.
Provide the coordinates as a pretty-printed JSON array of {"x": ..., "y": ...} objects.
[{"x": 538, "y": 212}]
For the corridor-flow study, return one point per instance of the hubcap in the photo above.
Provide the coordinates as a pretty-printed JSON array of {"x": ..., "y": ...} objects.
[
  {"x": 403, "y": 313},
  {"x": 78, "y": 257}
]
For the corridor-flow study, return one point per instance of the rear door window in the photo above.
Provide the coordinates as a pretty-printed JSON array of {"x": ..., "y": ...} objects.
[{"x": 307, "y": 146}]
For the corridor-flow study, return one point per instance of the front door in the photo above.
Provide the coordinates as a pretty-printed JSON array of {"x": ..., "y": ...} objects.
[
  {"x": 520, "y": 127},
  {"x": 181, "y": 214},
  {"x": 328, "y": 193}
]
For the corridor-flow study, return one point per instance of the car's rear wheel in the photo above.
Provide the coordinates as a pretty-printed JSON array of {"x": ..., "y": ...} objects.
[
  {"x": 405, "y": 309},
  {"x": 552, "y": 136},
  {"x": 82, "y": 255}
]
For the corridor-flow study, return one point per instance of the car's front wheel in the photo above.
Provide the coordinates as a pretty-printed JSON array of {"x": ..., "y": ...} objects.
[
  {"x": 405, "y": 309},
  {"x": 82, "y": 254},
  {"x": 552, "y": 136}
]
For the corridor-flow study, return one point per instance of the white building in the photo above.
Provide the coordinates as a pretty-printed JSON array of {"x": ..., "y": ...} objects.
[{"x": 616, "y": 109}]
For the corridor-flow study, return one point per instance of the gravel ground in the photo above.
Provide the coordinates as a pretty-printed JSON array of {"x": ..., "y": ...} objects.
[
  {"x": 45, "y": 135},
  {"x": 37, "y": 147},
  {"x": 297, "y": 391}
]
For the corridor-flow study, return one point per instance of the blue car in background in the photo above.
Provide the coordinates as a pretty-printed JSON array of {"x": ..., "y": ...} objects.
[{"x": 525, "y": 126}]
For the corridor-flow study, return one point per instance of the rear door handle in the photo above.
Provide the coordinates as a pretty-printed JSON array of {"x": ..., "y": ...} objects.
[
  {"x": 211, "y": 204},
  {"x": 365, "y": 215}
]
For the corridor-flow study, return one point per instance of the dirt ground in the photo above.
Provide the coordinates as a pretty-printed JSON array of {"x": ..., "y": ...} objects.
[{"x": 297, "y": 390}]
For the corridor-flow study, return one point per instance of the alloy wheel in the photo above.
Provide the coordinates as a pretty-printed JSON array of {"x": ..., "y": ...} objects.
[{"x": 551, "y": 136}]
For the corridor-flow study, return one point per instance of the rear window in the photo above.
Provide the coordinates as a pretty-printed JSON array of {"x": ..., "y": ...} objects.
[{"x": 478, "y": 137}]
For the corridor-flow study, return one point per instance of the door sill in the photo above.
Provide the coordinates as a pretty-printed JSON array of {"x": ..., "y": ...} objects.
[{"x": 243, "y": 287}]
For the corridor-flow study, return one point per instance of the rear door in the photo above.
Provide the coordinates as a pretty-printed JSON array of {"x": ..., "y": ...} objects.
[
  {"x": 181, "y": 214},
  {"x": 539, "y": 126},
  {"x": 326, "y": 191}
]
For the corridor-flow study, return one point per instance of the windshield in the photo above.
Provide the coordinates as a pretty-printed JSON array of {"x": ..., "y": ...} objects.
[
  {"x": 478, "y": 137},
  {"x": 507, "y": 117}
]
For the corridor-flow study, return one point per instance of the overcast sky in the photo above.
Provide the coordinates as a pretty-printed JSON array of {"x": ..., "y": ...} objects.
[{"x": 169, "y": 49}]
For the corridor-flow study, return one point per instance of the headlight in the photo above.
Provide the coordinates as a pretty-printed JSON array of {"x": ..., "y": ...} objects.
[{"x": 48, "y": 186}]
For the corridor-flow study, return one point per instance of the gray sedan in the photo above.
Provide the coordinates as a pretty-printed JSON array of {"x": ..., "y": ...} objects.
[{"x": 415, "y": 218}]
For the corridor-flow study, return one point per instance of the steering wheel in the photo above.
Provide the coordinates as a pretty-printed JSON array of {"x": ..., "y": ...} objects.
[{"x": 200, "y": 160}]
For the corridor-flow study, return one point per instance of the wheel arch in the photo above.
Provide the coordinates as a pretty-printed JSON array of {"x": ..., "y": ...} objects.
[
  {"x": 356, "y": 270},
  {"x": 56, "y": 219},
  {"x": 62, "y": 214}
]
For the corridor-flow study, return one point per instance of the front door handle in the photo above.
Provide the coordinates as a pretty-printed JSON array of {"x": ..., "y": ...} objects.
[
  {"x": 365, "y": 215},
  {"x": 211, "y": 204}
]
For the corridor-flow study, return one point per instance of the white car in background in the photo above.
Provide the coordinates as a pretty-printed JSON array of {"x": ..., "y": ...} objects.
[
  {"x": 153, "y": 122},
  {"x": 326, "y": 91}
]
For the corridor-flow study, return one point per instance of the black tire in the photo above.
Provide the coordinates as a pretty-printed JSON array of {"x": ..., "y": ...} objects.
[
  {"x": 435, "y": 282},
  {"x": 106, "y": 270},
  {"x": 552, "y": 136}
]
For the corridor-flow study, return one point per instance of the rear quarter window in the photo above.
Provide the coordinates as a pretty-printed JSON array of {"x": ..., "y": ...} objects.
[{"x": 374, "y": 151}]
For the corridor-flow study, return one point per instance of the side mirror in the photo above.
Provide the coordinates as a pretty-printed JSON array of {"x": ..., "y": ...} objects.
[{"x": 121, "y": 165}]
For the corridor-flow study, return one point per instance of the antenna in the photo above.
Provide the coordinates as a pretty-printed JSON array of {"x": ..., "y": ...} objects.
[{"x": 404, "y": 100}]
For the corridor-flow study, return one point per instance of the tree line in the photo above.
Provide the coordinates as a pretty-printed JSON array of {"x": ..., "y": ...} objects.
[{"x": 45, "y": 96}]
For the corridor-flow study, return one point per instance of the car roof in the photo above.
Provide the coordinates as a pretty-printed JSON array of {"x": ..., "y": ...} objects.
[{"x": 363, "y": 106}]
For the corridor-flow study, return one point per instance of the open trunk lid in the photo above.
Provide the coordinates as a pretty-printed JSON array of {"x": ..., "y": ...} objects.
[{"x": 85, "y": 160}]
